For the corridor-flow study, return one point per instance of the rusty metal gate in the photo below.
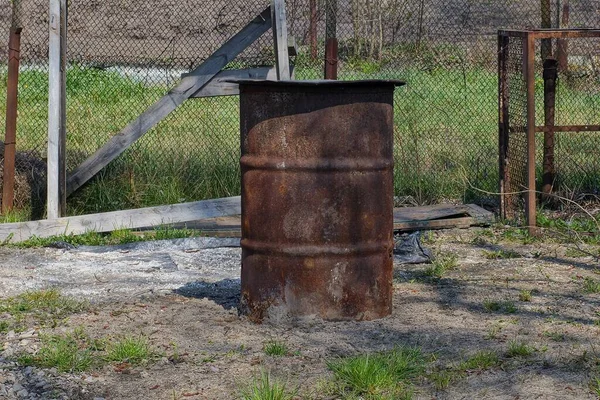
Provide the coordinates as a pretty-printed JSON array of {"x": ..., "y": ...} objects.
[{"x": 545, "y": 77}]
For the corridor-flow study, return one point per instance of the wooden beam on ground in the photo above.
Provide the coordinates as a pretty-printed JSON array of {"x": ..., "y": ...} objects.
[
  {"x": 56, "y": 103},
  {"x": 127, "y": 219},
  {"x": 280, "y": 39},
  {"x": 223, "y": 85},
  {"x": 191, "y": 84},
  {"x": 439, "y": 216}
]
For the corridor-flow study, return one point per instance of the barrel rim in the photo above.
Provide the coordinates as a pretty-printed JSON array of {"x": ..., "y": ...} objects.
[{"x": 319, "y": 82}]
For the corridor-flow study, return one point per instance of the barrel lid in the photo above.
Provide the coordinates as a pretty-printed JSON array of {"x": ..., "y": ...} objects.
[{"x": 319, "y": 82}]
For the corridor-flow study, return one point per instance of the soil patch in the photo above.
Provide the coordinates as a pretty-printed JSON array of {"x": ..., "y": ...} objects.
[{"x": 182, "y": 295}]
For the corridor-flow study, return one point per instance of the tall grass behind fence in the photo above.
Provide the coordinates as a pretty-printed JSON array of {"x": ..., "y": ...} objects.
[{"x": 124, "y": 55}]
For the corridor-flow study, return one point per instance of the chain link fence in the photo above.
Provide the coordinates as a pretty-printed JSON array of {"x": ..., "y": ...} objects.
[{"x": 123, "y": 56}]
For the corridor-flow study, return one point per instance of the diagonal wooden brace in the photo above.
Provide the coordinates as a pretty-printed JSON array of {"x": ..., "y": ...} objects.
[{"x": 188, "y": 86}]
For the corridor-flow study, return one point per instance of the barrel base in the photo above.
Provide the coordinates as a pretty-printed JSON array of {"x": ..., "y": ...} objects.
[{"x": 280, "y": 288}]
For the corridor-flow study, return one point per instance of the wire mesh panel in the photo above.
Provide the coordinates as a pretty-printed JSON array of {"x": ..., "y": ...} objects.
[
  {"x": 124, "y": 55},
  {"x": 32, "y": 126},
  {"x": 576, "y": 154},
  {"x": 563, "y": 107},
  {"x": 123, "y": 58},
  {"x": 513, "y": 95}
]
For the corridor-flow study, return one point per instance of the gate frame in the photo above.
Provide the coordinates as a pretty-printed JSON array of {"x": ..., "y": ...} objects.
[
  {"x": 528, "y": 38},
  {"x": 206, "y": 80}
]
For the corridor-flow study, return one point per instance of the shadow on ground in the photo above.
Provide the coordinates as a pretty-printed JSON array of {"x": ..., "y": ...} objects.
[{"x": 225, "y": 292}]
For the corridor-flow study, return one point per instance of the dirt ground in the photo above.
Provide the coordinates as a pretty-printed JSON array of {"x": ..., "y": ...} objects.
[{"x": 182, "y": 295}]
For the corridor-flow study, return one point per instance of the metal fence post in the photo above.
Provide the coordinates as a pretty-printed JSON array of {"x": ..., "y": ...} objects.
[
  {"x": 12, "y": 90},
  {"x": 550, "y": 74},
  {"x": 530, "y": 204},
  {"x": 331, "y": 42},
  {"x": 312, "y": 30},
  {"x": 503, "y": 98},
  {"x": 562, "y": 45}
]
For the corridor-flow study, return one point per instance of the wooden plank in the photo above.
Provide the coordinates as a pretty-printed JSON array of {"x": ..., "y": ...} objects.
[
  {"x": 175, "y": 97},
  {"x": 480, "y": 215},
  {"x": 280, "y": 38},
  {"x": 222, "y": 85},
  {"x": 128, "y": 219},
  {"x": 437, "y": 211},
  {"x": 55, "y": 112},
  {"x": 405, "y": 219},
  {"x": 462, "y": 222}
]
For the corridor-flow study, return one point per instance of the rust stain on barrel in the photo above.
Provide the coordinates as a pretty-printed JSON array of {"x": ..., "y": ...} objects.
[{"x": 317, "y": 192}]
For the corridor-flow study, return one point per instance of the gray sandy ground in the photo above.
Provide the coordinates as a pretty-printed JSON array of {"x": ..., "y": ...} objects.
[
  {"x": 119, "y": 272},
  {"x": 185, "y": 292}
]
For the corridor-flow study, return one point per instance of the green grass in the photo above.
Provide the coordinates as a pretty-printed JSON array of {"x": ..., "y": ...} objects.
[
  {"x": 556, "y": 336},
  {"x": 595, "y": 386},
  {"x": 575, "y": 253},
  {"x": 582, "y": 229},
  {"x": 480, "y": 361},
  {"x": 275, "y": 348},
  {"x": 379, "y": 375},
  {"x": 508, "y": 307},
  {"x": 591, "y": 285},
  {"x": 518, "y": 235},
  {"x": 76, "y": 351},
  {"x": 500, "y": 254},
  {"x": 525, "y": 295},
  {"x": 441, "y": 265},
  {"x": 445, "y": 127},
  {"x": 47, "y": 307},
  {"x": 67, "y": 353},
  {"x": 118, "y": 236},
  {"x": 266, "y": 388},
  {"x": 132, "y": 350},
  {"x": 442, "y": 378},
  {"x": 15, "y": 215},
  {"x": 519, "y": 349}
]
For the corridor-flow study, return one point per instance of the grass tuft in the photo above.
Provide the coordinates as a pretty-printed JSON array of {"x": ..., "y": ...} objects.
[
  {"x": 386, "y": 374},
  {"x": 591, "y": 285},
  {"x": 132, "y": 350},
  {"x": 500, "y": 254},
  {"x": 119, "y": 236},
  {"x": 45, "y": 307},
  {"x": 265, "y": 388},
  {"x": 482, "y": 360},
  {"x": 275, "y": 348},
  {"x": 595, "y": 386},
  {"x": 556, "y": 336},
  {"x": 68, "y": 353},
  {"x": 441, "y": 265},
  {"x": 508, "y": 307},
  {"x": 519, "y": 349},
  {"x": 525, "y": 295},
  {"x": 442, "y": 378}
]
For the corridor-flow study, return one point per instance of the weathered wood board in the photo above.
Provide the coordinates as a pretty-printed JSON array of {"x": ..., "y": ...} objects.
[
  {"x": 441, "y": 216},
  {"x": 405, "y": 219},
  {"x": 127, "y": 219},
  {"x": 221, "y": 217}
]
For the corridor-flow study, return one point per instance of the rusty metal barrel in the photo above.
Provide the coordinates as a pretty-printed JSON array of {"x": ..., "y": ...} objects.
[{"x": 317, "y": 199}]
